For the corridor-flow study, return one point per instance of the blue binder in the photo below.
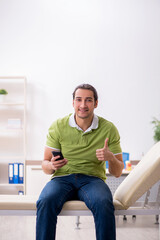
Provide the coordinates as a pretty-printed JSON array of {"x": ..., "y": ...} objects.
[
  {"x": 15, "y": 173},
  {"x": 21, "y": 173},
  {"x": 10, "y": 172},
  {"x": 125, "y": 156}
]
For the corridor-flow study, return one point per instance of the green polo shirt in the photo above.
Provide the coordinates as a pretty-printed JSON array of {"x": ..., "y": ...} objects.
[{"x": 79, "y": 147}]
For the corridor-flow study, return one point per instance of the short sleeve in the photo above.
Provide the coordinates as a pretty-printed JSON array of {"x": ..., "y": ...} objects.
[
  {"x": 53, "y": 137},
  {"x": 114, "y": 141}
]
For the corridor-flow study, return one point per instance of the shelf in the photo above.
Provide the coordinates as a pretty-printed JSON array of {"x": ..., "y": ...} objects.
[
  {"x": 124, "y": 172},
  {"x": 12, "y": 77},
  {"x": 11, "y": 103},
  {"x": 11, "y": 185},
  {"x": 4, "y": 129},
  {"x": 12, "y": 131},
  {"x": 11, "y": 157}
]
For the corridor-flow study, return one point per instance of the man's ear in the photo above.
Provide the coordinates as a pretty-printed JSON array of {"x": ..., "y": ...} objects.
[{"x": 96, "y": 104}]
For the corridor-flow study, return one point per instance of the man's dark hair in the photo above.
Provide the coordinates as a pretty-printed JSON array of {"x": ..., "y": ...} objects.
[{"x": 87, "y": 87}]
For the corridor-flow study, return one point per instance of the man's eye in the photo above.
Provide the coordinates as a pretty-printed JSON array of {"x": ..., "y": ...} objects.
[
  {"x": 89, "y": 100},
  {"x": 78, "y": 100}
]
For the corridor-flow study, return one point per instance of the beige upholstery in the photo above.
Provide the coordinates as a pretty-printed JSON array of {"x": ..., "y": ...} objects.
[
  {"x": 145, "y": 174},
  {"x": 75, "y": 205},
  {"x": 18, "y": 202},
  {"x": 28, "y": 202},
  {"x": 141, "y": 179}
]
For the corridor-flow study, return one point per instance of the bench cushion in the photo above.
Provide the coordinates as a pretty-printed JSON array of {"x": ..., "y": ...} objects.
[
  {"x": 28, "y": 202},
  {"x": 18, "y": 202}
]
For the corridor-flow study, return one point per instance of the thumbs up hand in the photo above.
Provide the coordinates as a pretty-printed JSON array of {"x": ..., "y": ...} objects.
[
  {"x": 106, "y": 143},
  {"x": 104, "y": 153}
]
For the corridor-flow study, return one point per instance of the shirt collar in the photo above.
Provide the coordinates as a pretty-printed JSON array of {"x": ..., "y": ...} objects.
[{"x": 94, "y": 124}]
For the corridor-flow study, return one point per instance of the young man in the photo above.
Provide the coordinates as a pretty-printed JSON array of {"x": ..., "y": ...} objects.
[{"x": 86, "y": 142}]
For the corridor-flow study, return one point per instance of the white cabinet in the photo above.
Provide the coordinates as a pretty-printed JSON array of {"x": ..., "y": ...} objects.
[
  {"x": 12, "y": 131},
  {"x": 36, "y": 179}
]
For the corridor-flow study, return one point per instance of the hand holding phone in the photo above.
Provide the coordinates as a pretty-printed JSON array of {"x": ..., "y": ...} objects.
[{"x": 58, "y": 154}]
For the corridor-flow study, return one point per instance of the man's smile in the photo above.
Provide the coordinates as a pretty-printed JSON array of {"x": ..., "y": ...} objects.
[{"x": 83, "y": 110}]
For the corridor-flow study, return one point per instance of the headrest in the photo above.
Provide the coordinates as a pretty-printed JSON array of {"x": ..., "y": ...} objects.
[{"x": 139, "y": 180}]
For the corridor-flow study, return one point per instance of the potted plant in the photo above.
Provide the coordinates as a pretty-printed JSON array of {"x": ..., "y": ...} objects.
[
  {"x": 3, "y": 93},
  {"x": 156, "y": 123}
]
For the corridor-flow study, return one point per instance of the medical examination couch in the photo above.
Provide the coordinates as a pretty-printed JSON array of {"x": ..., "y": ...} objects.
[{"x": 139, "y": 181}]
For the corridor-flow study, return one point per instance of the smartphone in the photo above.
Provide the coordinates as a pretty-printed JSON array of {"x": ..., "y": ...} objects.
[{"x": 58, "y": 154}]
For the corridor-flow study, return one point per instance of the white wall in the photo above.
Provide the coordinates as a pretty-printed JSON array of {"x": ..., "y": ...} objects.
[{"x": 111, "y": 44}]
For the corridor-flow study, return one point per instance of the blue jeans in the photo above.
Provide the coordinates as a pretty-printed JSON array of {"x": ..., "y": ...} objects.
[{"x": 92, "y": 190}]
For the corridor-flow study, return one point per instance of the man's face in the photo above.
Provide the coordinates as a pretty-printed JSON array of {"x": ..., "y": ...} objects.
[{"x": 84, "y": 103}]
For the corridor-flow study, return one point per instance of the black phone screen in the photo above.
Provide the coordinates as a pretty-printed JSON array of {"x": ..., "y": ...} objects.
[{"x": 58, "y": 154}]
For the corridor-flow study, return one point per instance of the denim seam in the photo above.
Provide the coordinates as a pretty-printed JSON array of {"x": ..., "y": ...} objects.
[
  {"x": 58, "y": 206},
  {"x": 91, "y": 208}
]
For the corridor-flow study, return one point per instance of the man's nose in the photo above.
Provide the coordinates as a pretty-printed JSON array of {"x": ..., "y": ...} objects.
[{"x": 83, "y": 103}]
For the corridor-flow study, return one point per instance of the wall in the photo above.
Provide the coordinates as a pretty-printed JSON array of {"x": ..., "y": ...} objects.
[{"x": 112, "y": 44}]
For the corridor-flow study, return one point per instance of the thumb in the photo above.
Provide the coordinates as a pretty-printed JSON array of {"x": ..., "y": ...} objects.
[{"x": 106, "y": 143}]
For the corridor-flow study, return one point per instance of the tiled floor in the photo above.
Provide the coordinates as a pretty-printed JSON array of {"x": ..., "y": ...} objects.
[{"x": 23, "y": 228}]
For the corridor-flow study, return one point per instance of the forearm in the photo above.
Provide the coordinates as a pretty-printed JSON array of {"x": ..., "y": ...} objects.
[
  {"x": 116, "y": 165},
  {"x": 47, "y": 167}
]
